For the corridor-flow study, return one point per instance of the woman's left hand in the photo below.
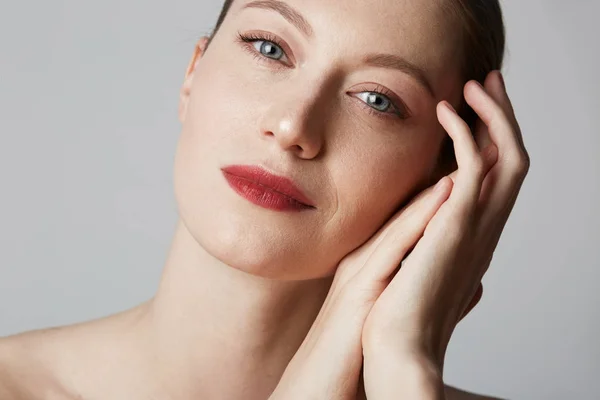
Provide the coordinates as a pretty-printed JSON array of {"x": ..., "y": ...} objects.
[{"x": 409, "y": 327}]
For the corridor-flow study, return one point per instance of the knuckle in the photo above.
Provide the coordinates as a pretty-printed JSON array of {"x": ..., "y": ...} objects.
[
  {"x": 520, "y": 165},
  {"x": 526, "y": 162}
]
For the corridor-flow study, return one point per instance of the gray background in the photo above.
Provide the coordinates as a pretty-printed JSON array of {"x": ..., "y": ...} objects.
[{"x": 88, "y": 128}]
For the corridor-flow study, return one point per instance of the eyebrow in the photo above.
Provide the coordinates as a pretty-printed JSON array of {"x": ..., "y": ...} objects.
[
  {"x": 400, "y": 63},
  {"x": 376, "y": 60},
  {"x": 288, "y": 12}
]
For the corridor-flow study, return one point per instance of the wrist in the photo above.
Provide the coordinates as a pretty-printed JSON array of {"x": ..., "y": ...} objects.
[
  {"x": 392, "y": 374},
  {"x": 420, "y": 347}
]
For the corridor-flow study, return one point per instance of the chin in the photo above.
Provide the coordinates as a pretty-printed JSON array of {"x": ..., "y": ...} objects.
[
  {"x": 259, "y": 242},
  {"x": 244, "y": 236},
  {"x": 259, "y": 249}
]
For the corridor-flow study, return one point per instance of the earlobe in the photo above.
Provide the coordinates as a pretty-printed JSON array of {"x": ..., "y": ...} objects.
[{"x": 186, "y": 88}]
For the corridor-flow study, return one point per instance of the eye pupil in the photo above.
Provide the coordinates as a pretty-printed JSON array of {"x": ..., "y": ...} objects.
[
  {"x": 267, "y": 48},
  {"x": 377, "y": 100}
]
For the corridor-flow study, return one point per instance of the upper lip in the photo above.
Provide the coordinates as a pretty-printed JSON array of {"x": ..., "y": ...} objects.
[{"x": 276, "y": 183}]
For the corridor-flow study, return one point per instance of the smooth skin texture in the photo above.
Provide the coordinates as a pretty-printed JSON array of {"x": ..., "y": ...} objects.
[
  {"x": 249, "y": 295},
  {"x": 455, "y": 229},
  {"x": 443, "y": 271}
]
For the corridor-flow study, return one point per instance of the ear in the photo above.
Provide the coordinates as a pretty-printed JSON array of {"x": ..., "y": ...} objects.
[{"x": 186, "y": 88}]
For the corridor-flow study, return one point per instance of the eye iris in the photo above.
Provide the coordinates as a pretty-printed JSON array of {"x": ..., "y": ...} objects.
[
  {"x": 267, "y": 49},
  {"x": 373, "y": 99}
]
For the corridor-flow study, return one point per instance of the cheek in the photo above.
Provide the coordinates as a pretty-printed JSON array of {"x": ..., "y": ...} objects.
[
  {"x": 221, "y": 127},
  {"x": 209, "y": 139},
  {"x": 218, "y": 125},
  {"x": 372, "y": 185},
  {"x": 219, "y": 106}
]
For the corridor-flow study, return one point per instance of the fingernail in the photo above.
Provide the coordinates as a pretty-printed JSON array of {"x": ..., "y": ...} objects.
[
  {"x": 449, "y": 106},
  {"x": 440, "y": 185}
]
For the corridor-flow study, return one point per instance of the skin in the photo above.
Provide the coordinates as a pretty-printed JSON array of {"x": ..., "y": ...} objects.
[{"x": 219, "y": 316}]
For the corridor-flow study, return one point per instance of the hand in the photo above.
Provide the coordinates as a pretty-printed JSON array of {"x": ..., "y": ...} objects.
[
  {"x": 417, "y": 312},
  {"x": 329, "y": 361}
]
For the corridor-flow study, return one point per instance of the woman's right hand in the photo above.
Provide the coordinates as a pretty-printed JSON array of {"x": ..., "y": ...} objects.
[{"x": 328, "y": 363}]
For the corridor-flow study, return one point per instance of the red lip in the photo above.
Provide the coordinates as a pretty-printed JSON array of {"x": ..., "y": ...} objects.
[{"x": 266, "y": 189}]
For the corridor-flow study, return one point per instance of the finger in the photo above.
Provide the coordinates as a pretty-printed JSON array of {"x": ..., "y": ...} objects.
[
  {"x": 489, "y": 155},
  {"x": 482, "y": 136},
  {"x": 493, "y": 107},
  {"x": 471, "y": 165},
  {"x": 401, "y": 233},
  {"x": 504, "y": 180},
  {"x": 413, "y": 205},
  {"x": 483, "y": 139},
  {"x": 360, "y": 255},
  {"x": 496, "y": 88}
]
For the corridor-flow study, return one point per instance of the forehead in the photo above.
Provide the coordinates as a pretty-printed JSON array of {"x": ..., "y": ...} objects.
[{"x": 421, "y": 31}]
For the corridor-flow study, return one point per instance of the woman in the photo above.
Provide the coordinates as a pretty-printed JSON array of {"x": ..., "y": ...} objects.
[{"x": 296, "y": 197}]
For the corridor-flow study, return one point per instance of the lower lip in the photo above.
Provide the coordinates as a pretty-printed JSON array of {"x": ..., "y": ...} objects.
[{"x": 262, "y": 196}]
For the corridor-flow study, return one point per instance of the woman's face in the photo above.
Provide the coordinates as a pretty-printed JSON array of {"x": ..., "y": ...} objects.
[{"x": 308, "y": 109}]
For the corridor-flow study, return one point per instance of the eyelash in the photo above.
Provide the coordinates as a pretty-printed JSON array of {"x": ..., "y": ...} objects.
[{"x": 252, "y": 37}]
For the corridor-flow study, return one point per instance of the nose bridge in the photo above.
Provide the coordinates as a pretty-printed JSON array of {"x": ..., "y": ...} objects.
[{"x": 297, "y": 117}]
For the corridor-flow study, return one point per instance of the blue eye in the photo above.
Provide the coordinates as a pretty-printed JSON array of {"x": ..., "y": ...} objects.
[
  {"x": 267, "y": 47},
  {"x": 376, "y": 100},
  {"x": 378, "y": 103}
]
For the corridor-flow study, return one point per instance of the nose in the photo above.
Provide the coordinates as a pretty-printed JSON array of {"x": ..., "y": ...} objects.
[{"x": 297, "y": 121}]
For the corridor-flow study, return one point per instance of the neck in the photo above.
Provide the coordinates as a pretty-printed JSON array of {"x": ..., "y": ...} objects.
[{"x": 217, "y": 331}]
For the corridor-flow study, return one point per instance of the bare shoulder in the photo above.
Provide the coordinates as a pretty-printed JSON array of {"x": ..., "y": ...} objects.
[
  {"x": 14, "y": 366},
  {"x": 453, "y": 393},
  {"x": 26, "y": 367},
  {"x": 65, "y": 362},
  {"x": 7, "y": 385}
]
